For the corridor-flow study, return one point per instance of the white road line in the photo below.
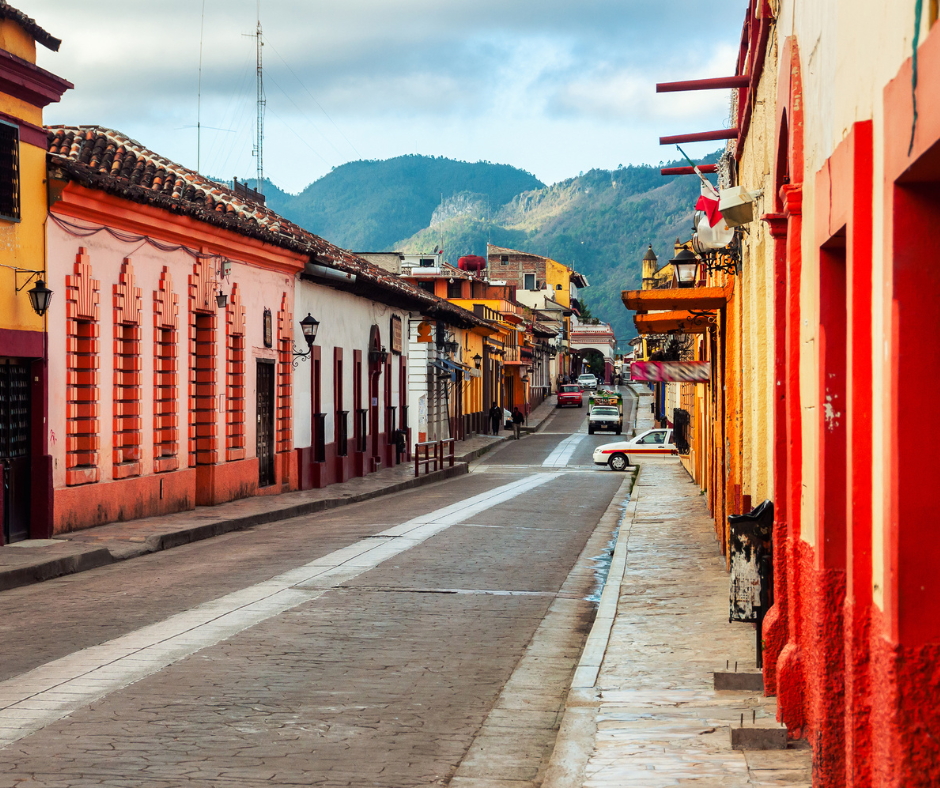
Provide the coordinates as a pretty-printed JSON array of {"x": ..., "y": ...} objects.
[
  {"x": 563, "y": 451},
  {"x": 33, "y": 700}
]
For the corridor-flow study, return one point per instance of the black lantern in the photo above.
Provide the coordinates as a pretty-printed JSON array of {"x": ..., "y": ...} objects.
[
  {"x": 222, "y": 300},
  {"x": 39, "y": 297},
  {"x": 378, "y": 357},
  {"x": 309, "y": 326},
  {"x": 477, "y": 360},
  {"x": 685, "y": 264}
]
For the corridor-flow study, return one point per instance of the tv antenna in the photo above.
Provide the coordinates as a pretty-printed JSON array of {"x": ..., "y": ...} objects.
[
  {"x": 202, "y": 26},
  {"x": 258, "y": 148}
]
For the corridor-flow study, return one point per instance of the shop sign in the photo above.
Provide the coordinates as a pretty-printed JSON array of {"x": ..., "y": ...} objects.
[
  {"x": 395, "y": 332},
  {"x": 671, "y": 371}
]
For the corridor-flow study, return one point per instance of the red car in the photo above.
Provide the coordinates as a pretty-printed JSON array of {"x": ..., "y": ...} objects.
[{"x": 570, "y": 394}]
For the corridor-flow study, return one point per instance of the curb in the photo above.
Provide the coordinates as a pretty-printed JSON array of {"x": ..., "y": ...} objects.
[
  {"x": 55, "y": 567},
  {"x": 577, "y": 732},
  {"x": 102, "y": 556}
]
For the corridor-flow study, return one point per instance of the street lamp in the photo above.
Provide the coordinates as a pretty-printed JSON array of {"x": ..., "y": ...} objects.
[
  {"x": 477, "y": 360},
  {"x": 309, "y": 326},
  {"x": 39, "y": 297},
  {"x": 685, "y": 264},
  {"x": 221, "y": 300}
]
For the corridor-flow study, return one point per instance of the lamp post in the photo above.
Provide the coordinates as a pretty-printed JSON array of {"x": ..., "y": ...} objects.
[{"x": 685, "y": 264}]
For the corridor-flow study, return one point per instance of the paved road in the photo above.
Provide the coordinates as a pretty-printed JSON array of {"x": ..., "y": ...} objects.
[{"x": 365, "y": 646}]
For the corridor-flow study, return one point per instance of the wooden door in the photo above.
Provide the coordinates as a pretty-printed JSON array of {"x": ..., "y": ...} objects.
[
  {"x": 15, "y": 449},
  {"x": 265, "y": 407}
]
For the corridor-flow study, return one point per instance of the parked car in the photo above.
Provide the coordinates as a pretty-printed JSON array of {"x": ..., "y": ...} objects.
[
  {"x": 651, "y": 445},
  {"x": 605, "y": 417},
  {"x": 587, "y": 382},
  {"x": 570, "y": 395}
]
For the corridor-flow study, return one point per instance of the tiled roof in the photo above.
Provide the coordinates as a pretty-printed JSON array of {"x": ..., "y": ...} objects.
[
  {"x": 29, "y": 25},
  {"x": 101, "y": 158}
]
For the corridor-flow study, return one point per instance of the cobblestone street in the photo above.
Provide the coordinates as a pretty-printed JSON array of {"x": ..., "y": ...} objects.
[{"x": 370, "y": 645}]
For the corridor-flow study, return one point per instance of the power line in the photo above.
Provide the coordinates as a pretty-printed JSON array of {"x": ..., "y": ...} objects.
[
  {"x": 313, "y": 98},
  {"x": 306, "y": 117}
]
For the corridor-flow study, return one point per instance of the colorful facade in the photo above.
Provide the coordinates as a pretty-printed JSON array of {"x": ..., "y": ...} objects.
[
  {"x": 26, "y": 465},
  {"x": 822, "y": 344}
]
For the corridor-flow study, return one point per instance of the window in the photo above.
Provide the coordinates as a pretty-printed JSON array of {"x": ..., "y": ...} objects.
[
  {"x": 427, "y": 286},
  {"x": 653, "y": 437},
  {"x": 454, "y": 288},
  {"x": 426, "y": 262},
  {"x": 504, "y": 259},
  {"x": 9, "y": 172},
  {"x": 529, "y": 282}
]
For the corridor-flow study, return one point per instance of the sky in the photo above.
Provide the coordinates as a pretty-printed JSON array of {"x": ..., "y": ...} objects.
[{"x": 555, "y": 87}]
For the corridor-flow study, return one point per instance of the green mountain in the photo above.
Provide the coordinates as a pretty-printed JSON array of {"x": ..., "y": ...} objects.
[
  {"x": 599, "y": 223},
  {"x": 369, "y": 205}
]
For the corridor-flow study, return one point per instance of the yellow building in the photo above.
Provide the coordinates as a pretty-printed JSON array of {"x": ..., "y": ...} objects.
[{"x": 25, "y": 89}]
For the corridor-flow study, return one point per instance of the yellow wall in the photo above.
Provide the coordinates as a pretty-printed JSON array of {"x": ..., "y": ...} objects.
[
  {"x": 17, "y": 41},
  {"x": 558, "y": 274},
  {"x": 22, "y": 243}
]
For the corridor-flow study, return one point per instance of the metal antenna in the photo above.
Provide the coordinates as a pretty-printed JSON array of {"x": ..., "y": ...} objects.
[
  {"x": 259, "y": 142},
  {"x": 202, "y": 26}
]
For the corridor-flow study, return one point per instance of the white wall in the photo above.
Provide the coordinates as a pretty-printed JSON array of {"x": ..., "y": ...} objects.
[{"x": 345, "y": 321}]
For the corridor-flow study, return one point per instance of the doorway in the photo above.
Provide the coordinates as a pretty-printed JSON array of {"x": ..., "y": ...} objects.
[
  {"x": 265, "y": 439},
  {"x": 15, "y": 449}
]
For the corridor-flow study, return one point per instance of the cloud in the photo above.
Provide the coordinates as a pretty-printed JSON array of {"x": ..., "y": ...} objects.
[{"x": 551, "y": 85}]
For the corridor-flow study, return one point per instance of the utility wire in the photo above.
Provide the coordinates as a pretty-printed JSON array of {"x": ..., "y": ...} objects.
[
  {"x": 313, "y": 98},
  {"x": 304, "y": 114}
]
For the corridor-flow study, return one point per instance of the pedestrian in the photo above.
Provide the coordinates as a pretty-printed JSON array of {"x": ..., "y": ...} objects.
[
  {"x": 517, "y": 419},
  {"x": 496, "y": 415}
]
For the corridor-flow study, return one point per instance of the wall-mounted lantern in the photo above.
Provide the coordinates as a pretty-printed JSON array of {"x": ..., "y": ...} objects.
[
  {"x": 309, "y": 326},
  {"x": 477, "y": 360},
  {"x": 685, "y": 264},
  {"x": 39, "y": 297},
  {"x": 378, "y": 357},
  {"x": 221, "y": 300}
]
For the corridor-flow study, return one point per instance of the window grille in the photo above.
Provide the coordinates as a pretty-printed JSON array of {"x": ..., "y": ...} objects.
[{"x": 9, "y": 172}]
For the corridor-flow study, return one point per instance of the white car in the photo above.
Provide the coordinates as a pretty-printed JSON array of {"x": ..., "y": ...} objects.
[
  {"x": 587, "y": 382},
  {"x": 650, "y": 445},
  {"x": 604, "y": 417}
]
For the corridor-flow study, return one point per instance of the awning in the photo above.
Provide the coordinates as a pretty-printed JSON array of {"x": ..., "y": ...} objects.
[
  {"x": 667, "y": 322},
  {"x": 676, "y": 299}
]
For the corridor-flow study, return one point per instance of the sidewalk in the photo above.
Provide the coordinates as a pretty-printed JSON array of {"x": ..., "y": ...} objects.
[{"x": 642, "y": 710}]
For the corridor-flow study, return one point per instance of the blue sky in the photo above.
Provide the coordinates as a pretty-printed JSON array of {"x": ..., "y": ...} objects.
[{"x": 554, "y": 87}]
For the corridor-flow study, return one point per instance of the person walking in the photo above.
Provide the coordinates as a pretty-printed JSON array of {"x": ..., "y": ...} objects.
[
  {"x": 496, "y": 416},
  {"x": 517, "y": 419}
]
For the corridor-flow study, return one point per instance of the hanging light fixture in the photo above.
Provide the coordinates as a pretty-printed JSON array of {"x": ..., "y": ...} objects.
[
  {"x": 685, "y": 264},
  {"x": 477, "y": 360},
  {"x": 221, "y": 300},
  {"x": 39, "y": 297}
]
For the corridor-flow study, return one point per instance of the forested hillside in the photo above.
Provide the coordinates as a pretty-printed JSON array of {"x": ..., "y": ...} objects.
[
  {"x": 599, "y": 222},
  {"x": 369, "y": 205}
]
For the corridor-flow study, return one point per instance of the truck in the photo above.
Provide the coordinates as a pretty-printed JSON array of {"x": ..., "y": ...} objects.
[{"x": 605, "y": 412}]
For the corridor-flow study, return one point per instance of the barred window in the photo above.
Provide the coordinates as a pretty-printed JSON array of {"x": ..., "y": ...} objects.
[{"x": 9, "y": 171}]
